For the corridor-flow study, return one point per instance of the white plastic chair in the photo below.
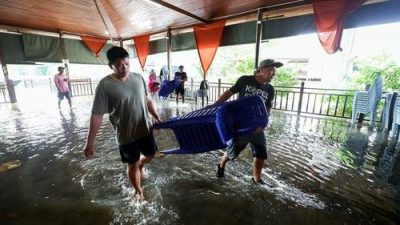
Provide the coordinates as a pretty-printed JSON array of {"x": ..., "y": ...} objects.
[
  {"x": 396, "y": 117},
  {"x": 367, "y": 101}
]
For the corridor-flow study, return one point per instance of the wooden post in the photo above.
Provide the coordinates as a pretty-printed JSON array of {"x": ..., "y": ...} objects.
[
  {"x": 10, "y": 84},
  {"x": 169, "y": 50},
  {"x": 258, "y": 37},
  {"x": 202, "y": 94}
]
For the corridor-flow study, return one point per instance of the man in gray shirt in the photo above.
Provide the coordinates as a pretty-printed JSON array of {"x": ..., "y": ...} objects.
[{"x": 123, "y": 96}]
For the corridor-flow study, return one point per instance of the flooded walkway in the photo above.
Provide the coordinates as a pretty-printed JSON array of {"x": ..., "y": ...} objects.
[{"x": 322, "y": 172}]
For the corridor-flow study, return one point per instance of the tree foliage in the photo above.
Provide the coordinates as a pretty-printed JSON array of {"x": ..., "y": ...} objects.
[
  {"x": 283, "y": 77},
  {"x": 383, "y": 65}
]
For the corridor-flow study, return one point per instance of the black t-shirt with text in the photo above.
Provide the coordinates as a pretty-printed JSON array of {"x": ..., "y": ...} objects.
[{"x": 248, "y": 86}]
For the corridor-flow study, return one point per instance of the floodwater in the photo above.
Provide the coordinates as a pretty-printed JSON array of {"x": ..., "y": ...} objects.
[{"x": 321, "y": 172}]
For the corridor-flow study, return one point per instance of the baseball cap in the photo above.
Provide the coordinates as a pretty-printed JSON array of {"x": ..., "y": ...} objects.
[
  {"x": 61, "y": 68},
  {"x": 270, "y": 62}
]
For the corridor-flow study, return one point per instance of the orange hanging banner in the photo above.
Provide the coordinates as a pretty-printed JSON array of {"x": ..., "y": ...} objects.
[
  {"x": 94, "y": 44},
  {"x": 142, "y": 48},
  {"x": 329, "y": 16},
  {"x": 208, "y": 38}
]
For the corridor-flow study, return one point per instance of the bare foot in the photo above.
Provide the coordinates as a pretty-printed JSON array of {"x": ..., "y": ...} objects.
[
  {"x": 160, "y": 155},
  {"x": 138, "y": 197}
]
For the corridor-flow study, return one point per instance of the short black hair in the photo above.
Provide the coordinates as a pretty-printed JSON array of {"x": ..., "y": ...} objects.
[{"x": 115, "y": 53}]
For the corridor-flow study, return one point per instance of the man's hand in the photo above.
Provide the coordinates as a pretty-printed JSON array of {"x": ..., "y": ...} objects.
[
  {"x": 157, "y": 119},
  {"x": 259, "y": 130}
]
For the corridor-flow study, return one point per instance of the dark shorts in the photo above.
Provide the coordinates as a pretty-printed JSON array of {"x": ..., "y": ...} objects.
[
  {"x": 130, "y": 153},
  {"x": 257, "y": 143},
  {"x": 62, "y": 94},
  {"x": 180, "y": 90}
]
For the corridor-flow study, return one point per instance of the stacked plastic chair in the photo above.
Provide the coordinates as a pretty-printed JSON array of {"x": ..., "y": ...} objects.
[
  {"x": 167, "y": 87},
  {"x": 367, "y": 101},
  {"x": 396, "y": 118},
  {"x": 211, "y": 127}
]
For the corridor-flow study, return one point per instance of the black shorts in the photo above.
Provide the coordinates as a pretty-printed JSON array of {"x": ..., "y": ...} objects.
[
  {"x": 180, "y": 90},
  {"x": 130, "y": 153},
  {"x": 62, "y": 94},
  {"x": 257, "y": 143}
]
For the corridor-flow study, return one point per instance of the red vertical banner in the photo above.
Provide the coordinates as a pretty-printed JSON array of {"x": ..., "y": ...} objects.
[
  {"x": 94, "y": 44},
  {"x": 142, "y": 48},
  {"x": 329, "y": 16},
  {"x": 208, "y": 38}
]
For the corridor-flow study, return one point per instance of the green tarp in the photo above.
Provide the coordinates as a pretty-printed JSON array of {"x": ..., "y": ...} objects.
[
  {"x": 12, "y": 48},
  {"x": 41, "y": 48},
  {"x": 77, "y": 52},
  {"x": 31, "y": 48}
]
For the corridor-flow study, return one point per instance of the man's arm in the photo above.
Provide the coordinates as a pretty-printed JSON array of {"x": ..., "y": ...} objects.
[
  {"x": 269, "y": 111},
  {"x": 56, "y": 83},
  {"x": 185, "y": 78},
  {"x": 152, "y": 109},
  {"x": 225, "y": 96},
  {"x": 95, "y": 123}
]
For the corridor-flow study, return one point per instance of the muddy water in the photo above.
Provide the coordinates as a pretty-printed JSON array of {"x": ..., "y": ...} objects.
[{"x": 321, "y": 172}]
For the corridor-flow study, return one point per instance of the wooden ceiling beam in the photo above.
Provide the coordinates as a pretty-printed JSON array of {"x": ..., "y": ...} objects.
[
  {"x": 108, "y": 24},
  {"x": 170, "y": 6},
  {"x": 301, "y": 7}
]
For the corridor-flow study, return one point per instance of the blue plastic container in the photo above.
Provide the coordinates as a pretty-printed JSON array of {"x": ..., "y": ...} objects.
[
  {"x": 167, "y": 87},
  {"x": 211, "y": 127}
]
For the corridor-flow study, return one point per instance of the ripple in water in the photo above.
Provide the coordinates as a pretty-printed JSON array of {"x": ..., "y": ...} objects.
[{"x": 320, "y": 171}]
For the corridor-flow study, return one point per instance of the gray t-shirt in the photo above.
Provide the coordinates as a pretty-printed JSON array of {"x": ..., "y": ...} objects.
[{"x": 126, "y": 104}]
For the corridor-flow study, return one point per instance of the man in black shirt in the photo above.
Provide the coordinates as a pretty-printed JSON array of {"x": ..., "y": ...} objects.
[
  {"x": 258, "y": 84},
  {"x": 180, "y": 77}
]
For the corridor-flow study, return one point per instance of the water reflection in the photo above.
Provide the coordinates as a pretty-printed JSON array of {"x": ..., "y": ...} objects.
[
  {"x": 387, "y": 161},
  {"x": 322, "y": 171}
]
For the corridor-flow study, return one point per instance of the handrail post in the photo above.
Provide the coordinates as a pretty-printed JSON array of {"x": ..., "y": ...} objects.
[
  {"x": 392, "y": 104},
  {"x": 301, "y": 98},
  {"x": 90, "y": 85},
  {"x": 51, "y": 86},
  {"x": 191, "y": 86},
  {"x": 219, "y": 88}
]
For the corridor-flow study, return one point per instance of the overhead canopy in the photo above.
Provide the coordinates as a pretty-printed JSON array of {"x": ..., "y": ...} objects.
[
  {"x": 245, "y": 33},
  {"x": 125, "y": 19}
]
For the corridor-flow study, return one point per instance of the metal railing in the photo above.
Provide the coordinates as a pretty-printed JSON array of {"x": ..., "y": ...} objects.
[
  {"x": 83, "y": 87},
  {"x": 79, "y": 87},
  {"x": 37, "y": 83},
  {"x": 317, "y": 101},
  {"x": 301, "y": 100}
]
